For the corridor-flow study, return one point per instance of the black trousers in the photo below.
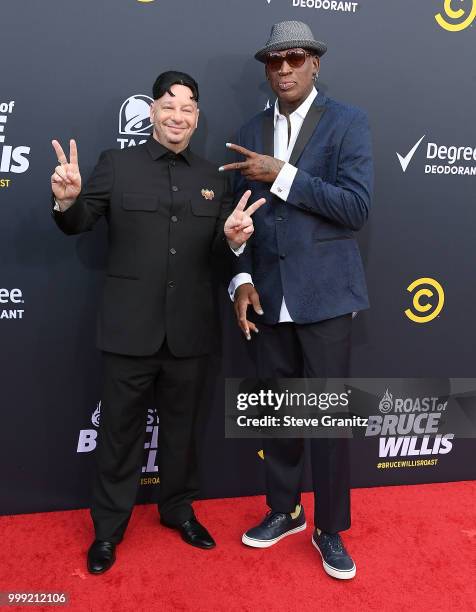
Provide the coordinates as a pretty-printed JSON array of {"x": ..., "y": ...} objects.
[
  {"x": 128, "y": 382},
  {"x": 317, "y": 350}
]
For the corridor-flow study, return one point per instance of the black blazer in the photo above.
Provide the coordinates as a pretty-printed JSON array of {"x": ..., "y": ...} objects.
[{"x": 162, "y": 234}]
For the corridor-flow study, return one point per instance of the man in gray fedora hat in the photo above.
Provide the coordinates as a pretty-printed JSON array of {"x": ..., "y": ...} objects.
[{"x": 302, "y": 273}]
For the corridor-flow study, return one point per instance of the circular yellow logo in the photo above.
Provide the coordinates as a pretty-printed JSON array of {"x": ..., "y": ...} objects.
[
  {"x": 425, "y": 311},
  {"x": 455, "y": 15}
]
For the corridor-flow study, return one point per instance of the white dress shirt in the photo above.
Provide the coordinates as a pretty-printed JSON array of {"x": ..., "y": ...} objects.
[{"x": 283, "y": 183}]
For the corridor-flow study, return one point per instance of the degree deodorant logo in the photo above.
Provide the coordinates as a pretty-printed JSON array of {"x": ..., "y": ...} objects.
[
  {"x": 424, "y": 307},
  {"x": 459, "y": 19},
  {"x": 339, "y": 6},
  {"x": 444, "y": 159},
  {"x": 11, "y": 304}
]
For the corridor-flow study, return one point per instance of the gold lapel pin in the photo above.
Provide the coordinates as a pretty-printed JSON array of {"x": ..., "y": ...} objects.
[{"x": 208, "y": 194}]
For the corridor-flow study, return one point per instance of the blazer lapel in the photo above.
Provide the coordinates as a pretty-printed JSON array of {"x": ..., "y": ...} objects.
[
  {"x": 309, "y": 125},
  {"x": 268, "y": 132}
]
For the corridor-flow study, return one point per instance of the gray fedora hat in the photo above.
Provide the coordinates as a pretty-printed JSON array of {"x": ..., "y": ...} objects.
[{"x": 288, "y": 35}]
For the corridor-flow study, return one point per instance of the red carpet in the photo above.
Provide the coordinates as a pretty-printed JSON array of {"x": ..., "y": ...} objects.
[{"x": 414, "y": 547}]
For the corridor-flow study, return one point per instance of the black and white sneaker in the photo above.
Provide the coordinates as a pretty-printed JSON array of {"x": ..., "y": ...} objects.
[
  {"x": 336, "y": 560},
  {"x": 275, "y": 527}
]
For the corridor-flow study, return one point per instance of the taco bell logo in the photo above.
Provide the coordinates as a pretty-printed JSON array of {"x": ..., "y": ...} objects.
[
  {"x": 134, "y": 120},
  {"x": 386, "y": 403}
]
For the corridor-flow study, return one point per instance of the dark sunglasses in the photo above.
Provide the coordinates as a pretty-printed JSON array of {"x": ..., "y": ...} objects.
[{"x": 294, "y": 57}]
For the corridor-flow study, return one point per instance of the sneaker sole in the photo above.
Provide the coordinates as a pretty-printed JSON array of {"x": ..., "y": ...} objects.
[
  {"x": 332, "y": 571},
  {"x": 267, "y": 543}
]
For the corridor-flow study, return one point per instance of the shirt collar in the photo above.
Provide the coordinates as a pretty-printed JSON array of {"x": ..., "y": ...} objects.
[
  {"x": 158, "y": 150},
  {"x": 301, "y": 110}
]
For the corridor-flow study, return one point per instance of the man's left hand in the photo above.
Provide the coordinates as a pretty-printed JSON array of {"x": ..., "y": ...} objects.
[
  {"x": 239, "y": 225},
  {"x": 257, "y": 167}
]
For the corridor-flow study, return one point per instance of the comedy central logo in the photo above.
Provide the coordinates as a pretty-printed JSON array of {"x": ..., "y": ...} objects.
[
  {"x": 134, "y": 120},
  {"x": 386, "y": 403},
  {"x": 459, "y": 18},
  {"x": 96, "y": 416},
  {"x": 425, "y": 310}
]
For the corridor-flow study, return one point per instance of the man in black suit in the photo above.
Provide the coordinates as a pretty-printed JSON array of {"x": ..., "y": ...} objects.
[{"x": 167, "y": 211}]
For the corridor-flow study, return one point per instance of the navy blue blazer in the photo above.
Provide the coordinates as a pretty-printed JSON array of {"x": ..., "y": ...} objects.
[{"x": 305, "y": 248}]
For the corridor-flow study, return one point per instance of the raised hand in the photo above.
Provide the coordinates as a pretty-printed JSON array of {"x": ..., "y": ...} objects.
[
  {"x": 239, "y": 225},
  {"x": 66, "y": 179},
  {"x": 257, "y": 167}
]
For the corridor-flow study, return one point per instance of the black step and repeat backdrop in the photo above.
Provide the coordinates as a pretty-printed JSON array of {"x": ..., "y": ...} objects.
[{"x": 84, "y": 69}]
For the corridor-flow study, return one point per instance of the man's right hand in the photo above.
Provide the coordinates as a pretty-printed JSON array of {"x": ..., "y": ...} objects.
[
  {"x": 245, "y": 296},
  {"x": 66, "y": 179}
]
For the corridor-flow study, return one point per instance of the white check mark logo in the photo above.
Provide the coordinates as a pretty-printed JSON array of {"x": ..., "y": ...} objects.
[{"x": 405, "y": 160}]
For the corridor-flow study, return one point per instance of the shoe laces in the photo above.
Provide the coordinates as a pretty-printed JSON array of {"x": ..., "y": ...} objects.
[
  {"x": 274, "y": 517},
  {"x": 334, "y": 542}
]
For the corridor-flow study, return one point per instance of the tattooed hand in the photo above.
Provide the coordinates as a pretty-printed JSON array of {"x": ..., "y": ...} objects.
[{"x": 256, "y": 167}]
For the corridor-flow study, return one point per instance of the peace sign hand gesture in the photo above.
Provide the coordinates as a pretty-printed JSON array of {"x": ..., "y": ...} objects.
[
  {"x": 239, "y": 225},
  {"x": 66, "y": 179},
  {"x": 257, "y": 167}
]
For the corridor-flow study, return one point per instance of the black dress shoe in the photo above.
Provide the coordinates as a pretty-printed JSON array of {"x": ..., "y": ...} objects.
[
  {"x": 193, "y": 533},
  {"x": 101, "y": 556}
]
